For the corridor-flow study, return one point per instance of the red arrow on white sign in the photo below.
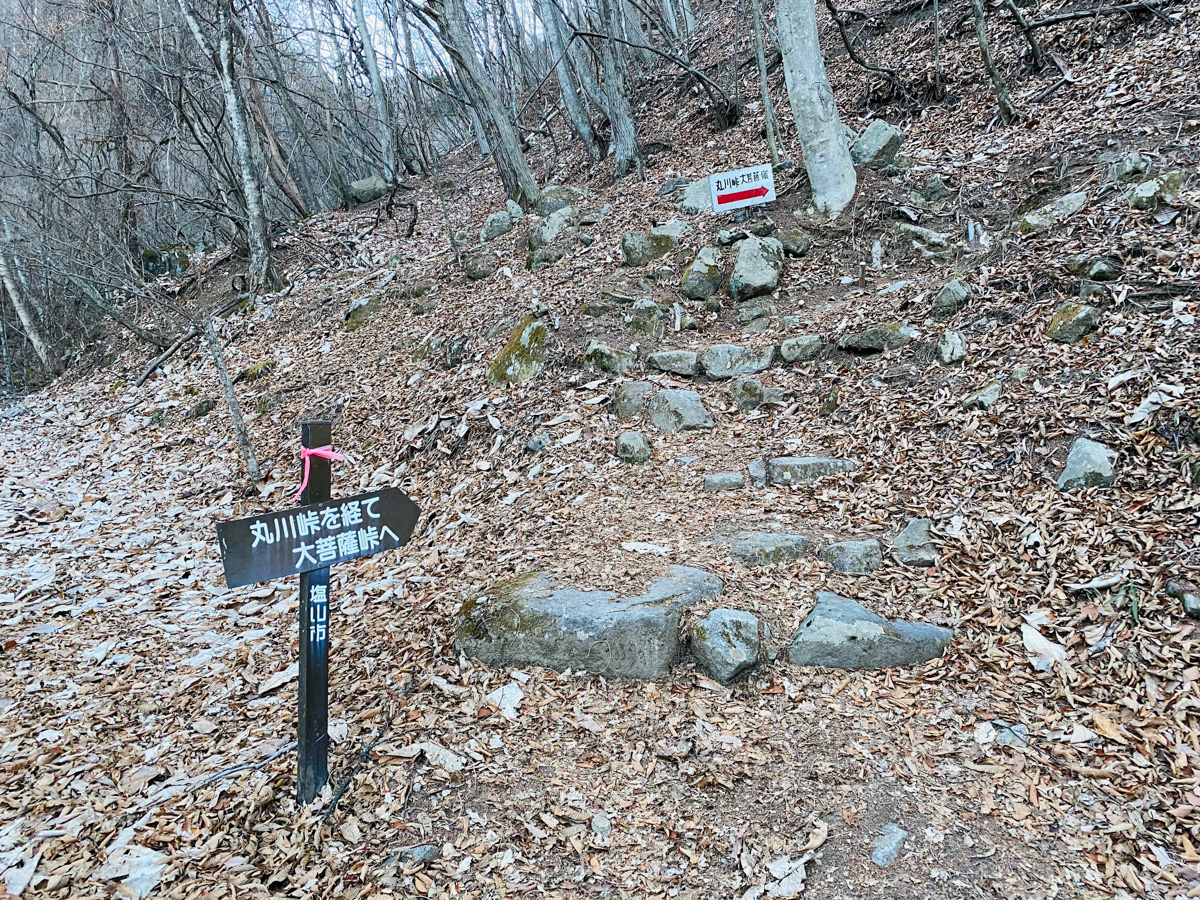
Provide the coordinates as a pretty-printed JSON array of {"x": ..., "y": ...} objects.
[{"x": 741, "y": 187}]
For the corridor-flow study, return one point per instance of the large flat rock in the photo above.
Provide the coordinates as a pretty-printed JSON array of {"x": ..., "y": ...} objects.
[
  {"x": 843, "y": 634},
  {"x": 530, "y": 620}
]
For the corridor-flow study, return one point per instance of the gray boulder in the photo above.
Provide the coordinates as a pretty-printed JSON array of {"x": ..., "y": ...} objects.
[
  {"x": 513, "y": 208},
  {"x": 632, "y": 447},
  {"x": 1164, "y": 189},
  {"x": 524, "y": 355},
  {"x": 724, "y": 481},
  {"x": 676, "y": 410},
  {"x": 888, "y": 845},
  {"x": 747, "y": 393},
  {"x": 1089, "y": 464},
  {"x": 547, "y": 231},
  {"x": 725, "y": 644},
  {"x": 557, "y": 197},
  {"x": 935, "y": 189},
  {"x": 913, "y": 545},
  {"x": 951, "y": 348},
  {"x": 1072, "y": 322},
  {"x": 842, "y": 634},
  {"x": 730, "y": 360},
  {"x": 1051, "y": 214},
  {"x": 497, "y": 223},
  {"x": 646, "y": 318},
  {"x": 853, "y": 557},
  {"x": 984, "y": 397},
  {"x": 795, "y": 242},
  {"x": 696, "y": 198},
  {"x": 641, "y": 247},
  {"x": 803, "y": 348},
  {"x": 480, "y": 265},
  {"x": 630, "y": 398},
  {"x": 758, "y": 548},
  {"x": 530, "y": 621},
  {"x": 757, "y": 268},
  {"x": 953, "y": 296},
  {"x": 803, "y": 469},
  {"x": 677, "y": 362},
  {"x": 757, "y": 470},
  {"x": 878, "y": 145},
  {"x": 369, "y": 189},
  {"x": 1130, "y": 167},
  {"x": 600, "y": 357},
  {"x": 1186, "y": 593},
  {"x": 877, "y": 338},
  {"x": 421, "y": 853},
  {"x": 702, "y": 279}
]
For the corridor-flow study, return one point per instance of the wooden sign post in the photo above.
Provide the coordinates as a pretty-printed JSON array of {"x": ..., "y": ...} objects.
[{"x": 308, "y": 540}]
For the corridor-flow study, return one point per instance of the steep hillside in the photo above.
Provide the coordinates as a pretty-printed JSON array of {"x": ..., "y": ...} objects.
[{"x": 147, "y": 712}]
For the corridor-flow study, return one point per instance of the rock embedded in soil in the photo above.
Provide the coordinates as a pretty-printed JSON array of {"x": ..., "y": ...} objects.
[
  {"x": 795, "y": 243},
  {"x": 842, "y": 634},
  {"x": 1187, "y": 593},
  {"x": 478, "y": 266},
  {"x": 878, "y": 145},
  {"x": 951, "y": 348},
  {"x": 761, "y": 548},
  {"x": 802, "y": 348},
  {"x": 853, "y": 557},
  {"x": 1130, "y": 167},
  {"x": 550, "y": 229},
  {"x": 1148, "y": 195},
  {"x": 630, "y": 398},
  {"x": 888, "y": 845},
  {"x": 632, "y": 447},
  {"x": 731, "y": 360},
  {"x": 953, "y": 297},
  {"x": 1089, "y": 464},
  {"x": 641, "y": 247},
  {"x": 531, "y": 621},
  {"x": 747, "y": 393},
  {"x": 600, "y": 357},
  {"x": 369, "y": 189},
  {"x": 802, "y": 469},
  {"x": 422, "y": 853},
  {"x": 724, "y": 481},
  {"x": 757, "y": 268},
  {"x": 1051, "y": 214},
  {"x": 725, "y": 644},
  {"x": 913, "y": 545},
  {"x": 495, "y": 225},
  {"x": 676, "y": 410},
  {"x": 751, "y": 312},
  {"x": 1072, "y": 322},
  {"x": 558, "y": 197},
  {"x": 984, "y": 397},
  {"x": 523, "y": 357},
  {"x": 696, "y": 198},
  {"x": 702, "y": 278},
  {"x": 877, "y": 338},
  {"x": 756, "y": 469},
  {"x": 676, "y": 362}
]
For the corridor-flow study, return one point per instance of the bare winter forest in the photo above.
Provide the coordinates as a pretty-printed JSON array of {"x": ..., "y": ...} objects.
[{"x": 800, "y": 400}]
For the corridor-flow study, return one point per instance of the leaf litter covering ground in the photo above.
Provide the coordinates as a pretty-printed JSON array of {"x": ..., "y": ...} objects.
[{"x": 147, "y": 713}]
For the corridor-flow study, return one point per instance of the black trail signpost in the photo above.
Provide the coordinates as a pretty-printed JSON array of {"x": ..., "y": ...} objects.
[{"x": 307, "y": 540}]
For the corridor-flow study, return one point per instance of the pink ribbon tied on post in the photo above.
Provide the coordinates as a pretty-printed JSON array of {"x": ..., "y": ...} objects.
[{"x": 305, "y": 454}]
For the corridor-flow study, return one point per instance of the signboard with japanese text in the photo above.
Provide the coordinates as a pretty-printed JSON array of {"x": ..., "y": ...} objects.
[
  {"x": 742, "y": 187},
  {"x": 307, "y": 538}
]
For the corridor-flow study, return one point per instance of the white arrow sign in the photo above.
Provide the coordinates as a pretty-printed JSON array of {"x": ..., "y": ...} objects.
[{"x": 742, "y": 187}]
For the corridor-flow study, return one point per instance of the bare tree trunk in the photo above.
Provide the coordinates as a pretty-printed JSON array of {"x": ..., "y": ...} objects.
[
  {"x": 28, "y": 316},
  {"x": 262, "y": 274},
  {"x": 235, "y": 411},
  {"x": 424, "y": 147},
  {"x": 689, "y": 19},
  {"x": 822, "y": 137},
  {"x": 770, "y": 123},
  {"x": 387, "y": 142},
  {"x": 276, "y": 165},
  {"x": 669, "y": 17},
  {"x": 566, "y": 86},
  {"x": 1007, "y": 113},
  {"x": 635, "y": 33},
  {"x": 620, "y": 116}
]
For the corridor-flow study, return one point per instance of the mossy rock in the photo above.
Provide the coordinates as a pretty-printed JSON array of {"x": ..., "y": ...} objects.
[
  {"x": 505, "y": 615},
  {"x": 203, "y": 408},
  {"x": 260, "y": 369},
  {"x": 523, "y": 357},
  {"x": 360, "y": 310}
]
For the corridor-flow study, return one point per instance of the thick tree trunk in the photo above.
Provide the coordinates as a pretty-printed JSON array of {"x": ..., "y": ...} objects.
[
  {"x": 28, "y": 316},
  {"x": 624, "y": 133},
  {"x": 822, "y": 137},
  {"x": 387, "y": 135},
  {"x": 566, "y": 86}
]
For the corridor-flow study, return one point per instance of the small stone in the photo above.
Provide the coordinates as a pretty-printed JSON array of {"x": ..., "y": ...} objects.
[
  {"x": 795, "y": 243},
  {"x": 935, "y": 189},
  {"x": 747, "y": 393},
  {"x": 677, "y": 362},
  {"x": 646, "y": 318},
  {"x": 630, "y": 398},
  {"x": 554, "y": 225},
  {"x": 803, "y": 469},
  {"x": 672, "y": 186},
  {"x": 537, "y": 443},
  {"x": 853, "y": 557},
  {"x": 984, "y": 397},
  {"x": 724, "y": 481},
  {"x": 558, "y": 197},
  {"x": 888, "y": 845},
  {"x": 730, "y": 360},
  {"x": 752, "y": 312},
  {"x": 497, "y": 223},
  {"x": 480, "y": 265},
  {"x": 513, "y": 208},
  {"x": 641, "y": 247},
  {"x": 702, "y": 279},
  {"x": 842, "y": 634},
  {"x": 913, "y": 545},
  {"x": 951, "y": 348},
  {"x": 1021, "y": 373},
  {"x": 422, "y": 853},
  {"x": 1150, "y": 194},
  {"x": 877, "y": 338},
  {"x": 600, "y": 357},
  {"x": 1051, "y": 214},
  {"x": 756, "y": 326},
  {"x": 632, "y": 447},
  {"x": 878, "y": 145},
  {"x": 774, "y": 396},
  {"x": 676, "y": 410},
  {"x": 757, "y": 470},
  {"x": 601, "y": 826},
  {"x": 725, "y": 644},
  {"x": 1011, "y": 735},
  {"x": 1089, "y": 464},
  {"x": 1101, "y": 268},
  {"x": 1187, "y": 593},
  {"x": 696, "y": 198},
  {"x": 1131, "y": 167},
  {"x": 1072, "y": 322},
  {"x": 759, "y": 548},
  {"x": 803, "y": 348},
  {"x": 757, "y": 268},
  {"x": 954, "y": 296}
]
